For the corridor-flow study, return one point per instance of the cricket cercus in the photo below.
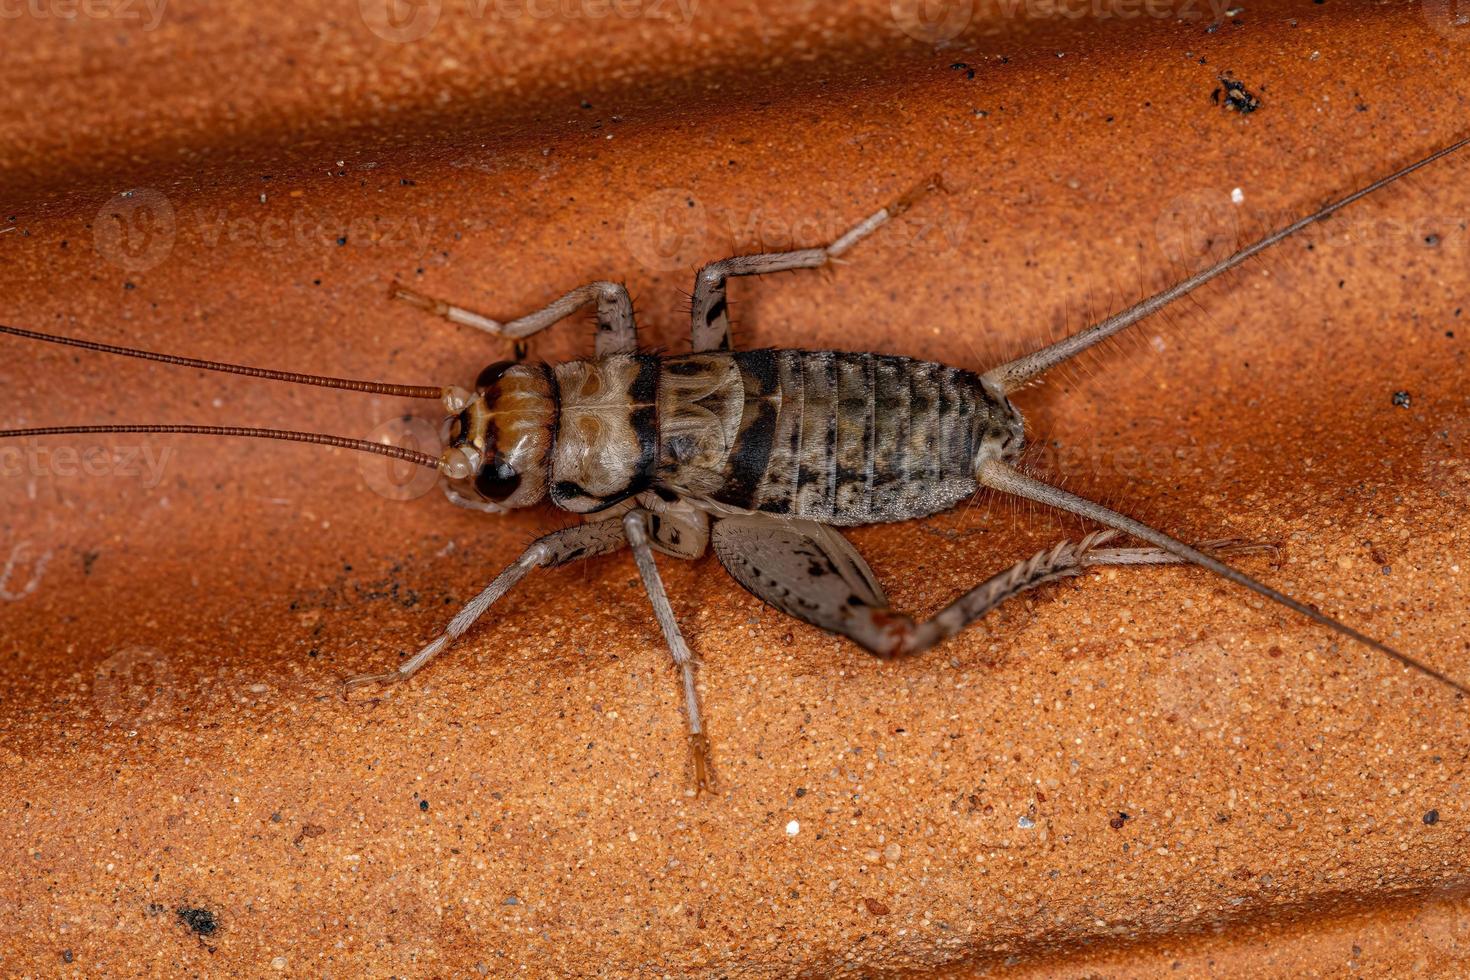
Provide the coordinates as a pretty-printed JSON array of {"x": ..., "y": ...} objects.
[{"x": 757, "y": 454}]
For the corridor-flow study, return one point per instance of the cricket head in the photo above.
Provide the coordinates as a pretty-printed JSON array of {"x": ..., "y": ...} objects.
[{"x": 497, "y": 438}]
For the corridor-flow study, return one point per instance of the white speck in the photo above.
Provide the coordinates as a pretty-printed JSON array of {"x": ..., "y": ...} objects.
[
  {"x": 633, "y": 836},
  {"x": 1025, "y": 823},
  {"x": 279, "y": 963},
  {"x": 1234, "y": 11},
  {"x": 1237, "y": 196},
  {"x": 1157, "y": 343},
  {"x": 793, "y": 828},
  {"x": 4, "y": 230}
]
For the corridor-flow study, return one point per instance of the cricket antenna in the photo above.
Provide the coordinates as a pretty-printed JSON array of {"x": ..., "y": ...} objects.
[
  {"x": 321, "y": 381},
  {"x": 999, "y": 476},
  {"x": 321, "y": 439},
  {"x": 1015, "y": 374}
]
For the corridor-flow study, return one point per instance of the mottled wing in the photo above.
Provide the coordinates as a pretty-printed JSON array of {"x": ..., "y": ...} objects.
[{"x": 804, "y": 569}]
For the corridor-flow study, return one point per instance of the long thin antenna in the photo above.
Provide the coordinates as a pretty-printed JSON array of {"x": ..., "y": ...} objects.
[
  {"x": 341, "y": 442},
  {"x": 999, "y": 476},
  {"x": 1013, "y": 374},
  {"x": 321, "y": 381}
]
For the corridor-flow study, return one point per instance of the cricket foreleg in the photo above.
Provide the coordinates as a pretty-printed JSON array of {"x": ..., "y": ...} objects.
[
  {"x": 635, "y": 525},
  {"x": 710, "y": 319},
  {"x": 556, "y": 548},
  {"x": 616, "y": 331}
]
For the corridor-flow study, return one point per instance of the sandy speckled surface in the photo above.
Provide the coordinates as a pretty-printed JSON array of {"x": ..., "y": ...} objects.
[{"x": 186, "y": 792}]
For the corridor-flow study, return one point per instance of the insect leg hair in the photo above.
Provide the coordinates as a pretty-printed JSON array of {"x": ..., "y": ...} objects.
[
  {"x": 635, "y": 525},
  {"x": 1015, "y": 374},
  {"x": 999, "y": 476},
  {"x": 616, "y": 330},
  {"x": 556, "y": 548}
]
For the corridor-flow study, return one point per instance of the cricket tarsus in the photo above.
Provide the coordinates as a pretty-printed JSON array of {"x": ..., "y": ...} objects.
[
  {"x": 1001, "y": 477},
  {"x": 1014, "y": 374}
]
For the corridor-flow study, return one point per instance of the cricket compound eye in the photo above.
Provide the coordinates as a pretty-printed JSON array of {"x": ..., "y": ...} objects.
[
  {"x": 497, "y": 480},
  {"x": 491, "y": 375}
]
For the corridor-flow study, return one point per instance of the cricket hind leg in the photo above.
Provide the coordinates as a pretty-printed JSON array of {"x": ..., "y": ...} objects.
[
  {"x": 815, "y": 574},
  {"x": 617, "y": 332},
  {"x": 898, "y": 635},
  {"x": 709, "y": 313},
  {"x": 636, "y": 526},
  {"x": 549, "y": 551}
]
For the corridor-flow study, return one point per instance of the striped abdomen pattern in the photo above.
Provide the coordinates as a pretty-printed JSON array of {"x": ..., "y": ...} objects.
[{"x": 840, "y": 438}]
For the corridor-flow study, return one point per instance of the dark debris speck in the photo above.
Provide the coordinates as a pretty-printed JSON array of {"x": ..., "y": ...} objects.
[
  {"x": 201, "y": 921},
  {"x": 1232, "y": 94},
  {"x": 1401, "y": 399},
  {"x": 1431, "y": 818},
  {"x": 424, "y": 806}
]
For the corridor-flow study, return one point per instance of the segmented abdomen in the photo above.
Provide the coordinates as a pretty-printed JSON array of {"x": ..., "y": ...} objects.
[{"x": 841, "y": 438}]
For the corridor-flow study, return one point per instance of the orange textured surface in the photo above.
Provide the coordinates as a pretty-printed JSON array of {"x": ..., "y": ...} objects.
[{"x": 174, "y": 624}]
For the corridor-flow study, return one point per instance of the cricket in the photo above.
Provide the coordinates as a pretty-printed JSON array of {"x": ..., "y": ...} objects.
[{"x": 759, "y": 455}]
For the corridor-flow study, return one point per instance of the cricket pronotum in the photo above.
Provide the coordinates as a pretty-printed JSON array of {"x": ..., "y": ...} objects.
[{"x": 758, "y": 455}]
